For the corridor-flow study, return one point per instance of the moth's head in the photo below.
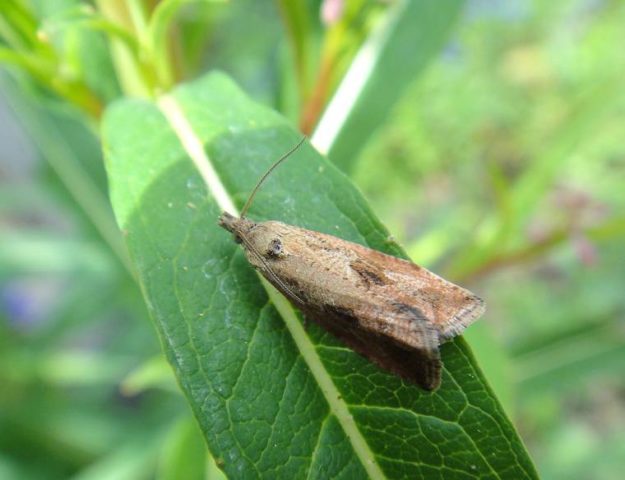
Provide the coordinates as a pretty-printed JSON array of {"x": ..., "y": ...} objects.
[
  {"x": 266, "y": 240},
  {"x": 260, "y": 238},
  {"x": 239, "y": 227}
]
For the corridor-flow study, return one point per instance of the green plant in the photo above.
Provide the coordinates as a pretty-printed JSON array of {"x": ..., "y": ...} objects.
[{"x": 270, "y": 397}]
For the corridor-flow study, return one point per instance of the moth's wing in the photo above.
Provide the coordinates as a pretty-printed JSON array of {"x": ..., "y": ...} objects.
[
  {"x": 395, "y": 339},
  {"x": 389, "y": 310},
  {"x": 469, "y": 307},
  {"x": 449, "y": 307}
]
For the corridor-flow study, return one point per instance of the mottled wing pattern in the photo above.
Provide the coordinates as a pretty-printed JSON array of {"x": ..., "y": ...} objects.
[
  {"x": 449, "y": 307},
  {"x": 391, "y": 311}
]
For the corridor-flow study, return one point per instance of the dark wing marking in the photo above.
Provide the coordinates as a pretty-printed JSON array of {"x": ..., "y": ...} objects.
[
  {"x": 411, "y": 311},
  {"x": 416, "y": 360},
  {"x": 369, "y": 273}
]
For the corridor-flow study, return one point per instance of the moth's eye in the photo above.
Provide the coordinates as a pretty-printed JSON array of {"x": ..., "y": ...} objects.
[
  {"x": 274, "y": 249},
  {"x": 237, "y": 238}
]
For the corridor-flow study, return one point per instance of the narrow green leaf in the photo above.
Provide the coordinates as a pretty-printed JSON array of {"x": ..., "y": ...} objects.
[
  {"x": 161, "y": 20},
  {"x": 128, "y": 461},
  {"x": 53, "y": 137},
  {"x": 153, "y": 373},
  {"x": 18, "y": 26},
  {"x": 297, "y": 20},
  {"x": 274, "y": 399},
  {"x": 36, "y": 252},
  {"x": 184, "y": 453},
  {"x": 27, "y": 61},
  {"x": 389, "y": 64},
  {"x": 85, "y": 17}
]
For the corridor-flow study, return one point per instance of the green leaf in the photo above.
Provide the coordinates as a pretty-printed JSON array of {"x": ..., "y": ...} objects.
[
  {"x": 274, "y": 399},
  {"x": 153, "y": 373},
  {"x": 415, "y": 32},
  {"x": 36, "y": 252},
  {"x": 70, "y": 149},
  {"x": 89, "y": 19},
  {"x": 184, "y": 453},
  {"x": 299, "y": 26}
]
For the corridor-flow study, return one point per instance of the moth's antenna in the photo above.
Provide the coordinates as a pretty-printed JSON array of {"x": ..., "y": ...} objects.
[{"x": 262, "y": 179}]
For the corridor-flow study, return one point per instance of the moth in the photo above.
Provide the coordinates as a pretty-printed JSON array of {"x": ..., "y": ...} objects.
[{"x": 389, "y": 310}]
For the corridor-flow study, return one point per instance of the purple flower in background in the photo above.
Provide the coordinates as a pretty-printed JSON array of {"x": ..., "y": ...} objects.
[{"x": 25, "y": 303}]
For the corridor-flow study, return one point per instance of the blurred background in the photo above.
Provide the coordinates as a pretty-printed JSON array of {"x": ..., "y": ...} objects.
[{"x": 501, "y": 166}]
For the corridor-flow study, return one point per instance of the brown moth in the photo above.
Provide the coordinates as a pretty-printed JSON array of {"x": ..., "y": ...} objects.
[{"x": 389, "y": 310}]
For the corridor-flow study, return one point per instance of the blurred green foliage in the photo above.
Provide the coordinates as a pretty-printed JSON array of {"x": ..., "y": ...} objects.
[
  {"x": 502, "y": 167},
  {"x": 527, "y": 104}
]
